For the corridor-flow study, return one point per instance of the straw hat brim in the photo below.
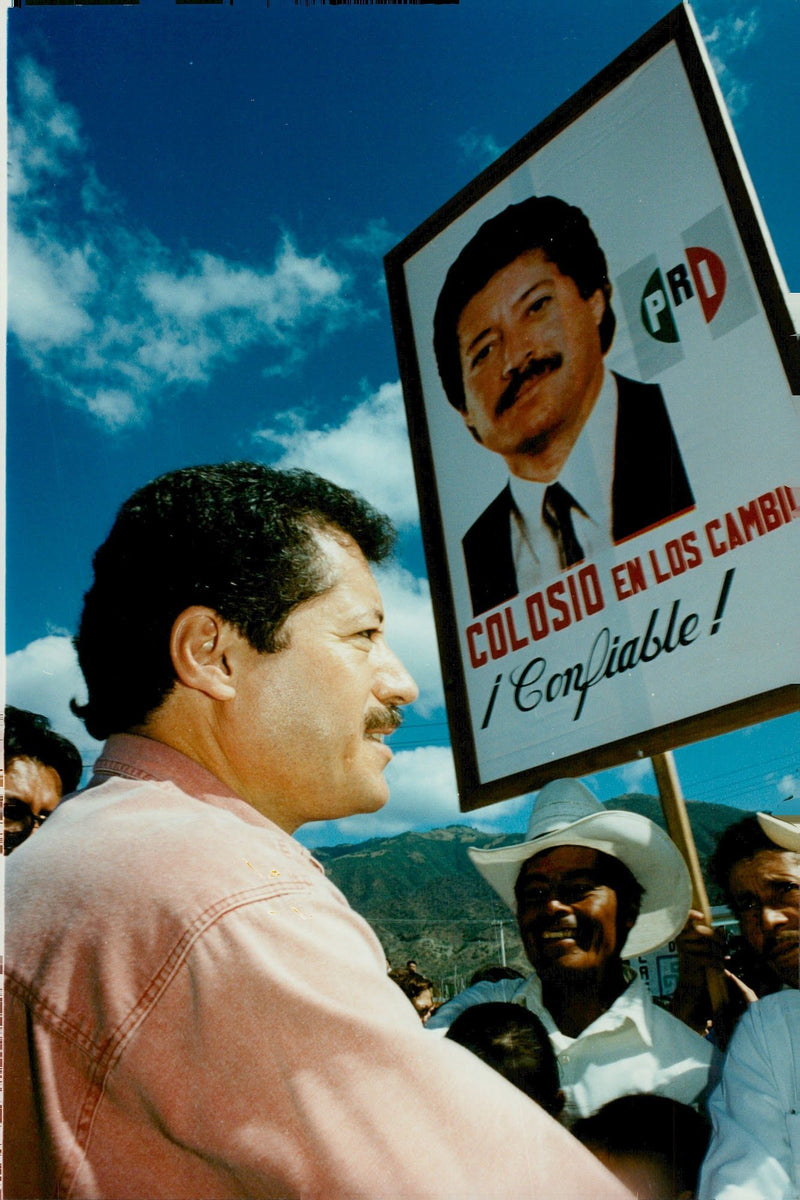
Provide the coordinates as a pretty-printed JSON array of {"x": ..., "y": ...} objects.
[{"x": 648, "y": 853}]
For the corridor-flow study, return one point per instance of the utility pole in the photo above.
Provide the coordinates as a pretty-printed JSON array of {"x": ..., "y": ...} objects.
[{"x": 500, "y": 925}]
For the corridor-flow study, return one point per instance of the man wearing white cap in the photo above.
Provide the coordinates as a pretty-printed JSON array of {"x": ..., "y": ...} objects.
[
  {"x": 590, "y": 886},
  {"x": 755, "y": 1112},
  {"x": 756, "y": 865}
]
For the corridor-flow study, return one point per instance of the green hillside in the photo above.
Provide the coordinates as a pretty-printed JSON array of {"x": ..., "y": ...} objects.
[{"x": 426, "y": 902}]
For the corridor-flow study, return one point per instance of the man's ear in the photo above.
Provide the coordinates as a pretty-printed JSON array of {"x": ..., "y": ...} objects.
[{"x": 200, "y": 645}]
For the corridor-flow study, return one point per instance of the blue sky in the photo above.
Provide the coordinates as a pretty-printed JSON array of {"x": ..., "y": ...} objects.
[{"x": 200, "y": 199}]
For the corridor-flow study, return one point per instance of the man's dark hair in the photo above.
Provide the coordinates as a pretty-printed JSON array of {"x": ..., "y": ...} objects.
[
  {"x": 672, "y": 1134},
  {"x": 543, "y": 223},
  {"x": 743, "y": 839},
  {"x": 237, "y": 537},
  {"x": 28, "y": 735},
  {"x": 513, "y": 1041}
]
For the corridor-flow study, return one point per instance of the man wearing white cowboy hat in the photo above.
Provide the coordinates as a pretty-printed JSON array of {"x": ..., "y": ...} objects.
[{"x": 590, "y": 886}]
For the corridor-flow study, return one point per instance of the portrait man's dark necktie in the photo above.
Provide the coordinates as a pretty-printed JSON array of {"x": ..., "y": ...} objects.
[{"x": 557, "y": 513}]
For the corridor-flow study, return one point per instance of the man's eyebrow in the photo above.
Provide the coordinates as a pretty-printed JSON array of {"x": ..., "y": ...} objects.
[
  {"x": 478, "y": 337},
  {"x": 587, "y": 873},
  {"x": 369, "y": 613},
  {"x": 546, "y": 282}
]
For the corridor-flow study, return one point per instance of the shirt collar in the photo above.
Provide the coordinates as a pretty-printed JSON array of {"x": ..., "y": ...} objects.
[
  {"x": 131, "y": 756},
  {"x": 633, "y": 1005}
]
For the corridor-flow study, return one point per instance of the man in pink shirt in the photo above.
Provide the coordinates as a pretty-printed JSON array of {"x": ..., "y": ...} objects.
[{"x": 177, "y": 1023}]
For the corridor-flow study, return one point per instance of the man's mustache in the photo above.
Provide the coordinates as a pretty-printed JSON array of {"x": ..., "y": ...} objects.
[
  {"x": 536, "y": 366},
  {"x": 386, "y": 719},
  {"x": 779, "y": 940}
]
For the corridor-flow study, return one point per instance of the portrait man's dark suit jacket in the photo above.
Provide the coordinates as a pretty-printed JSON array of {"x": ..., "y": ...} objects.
[{"x": 650, "y": 485}]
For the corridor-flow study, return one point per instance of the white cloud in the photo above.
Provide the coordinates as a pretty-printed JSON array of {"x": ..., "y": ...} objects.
[
  {"x": 43, "y": 678},
  {"x": 422, "y": 795},
  {"x": 635, "y": 774},
  {"x": 367, "y": 451},
  {"x": 480, "y": 148},
  {"x": 728, "y": 36},
  {"x": 788, "y": 787},
  {"x": 104, "y": 312},
  {"x": 411, "y": 633},
  {"x": 376, "y": 239}
]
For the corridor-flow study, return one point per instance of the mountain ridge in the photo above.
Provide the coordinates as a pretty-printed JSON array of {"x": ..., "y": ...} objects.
[{"x": 427, "y": 903}]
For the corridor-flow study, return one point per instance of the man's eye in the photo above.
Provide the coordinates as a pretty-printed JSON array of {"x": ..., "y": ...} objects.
[
  {"x": 571, "y": 893},
  {"x": 15, "y": 810},
  {"x": 747, "y": 905},
  {"x": 480, "y": 356},
  {"x": 539, "y": 303},
  {"x": 369, "y": 634},
  {"x": 788, "y": 887}
]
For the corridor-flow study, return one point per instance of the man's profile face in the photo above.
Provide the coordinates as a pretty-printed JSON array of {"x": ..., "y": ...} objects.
[
  {"x": 31, "y": 792},
  {"x": 765, "y": 895},
  {"x": 307, "y": 724},
  {"x": 569, "y": 916},
  {"x": 531, "y": 361}
]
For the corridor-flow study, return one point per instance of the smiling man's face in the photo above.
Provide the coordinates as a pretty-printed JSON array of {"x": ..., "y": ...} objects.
[{"x": 569, "y": 914}]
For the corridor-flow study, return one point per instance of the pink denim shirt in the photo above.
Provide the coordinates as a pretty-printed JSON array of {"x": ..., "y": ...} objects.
[{"x": 193, "y": 1011}]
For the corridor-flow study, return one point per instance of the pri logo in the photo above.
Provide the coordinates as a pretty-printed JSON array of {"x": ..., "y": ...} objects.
[
  {"x": 709, "y": 281},
  {"x": 703, "y": 276}
]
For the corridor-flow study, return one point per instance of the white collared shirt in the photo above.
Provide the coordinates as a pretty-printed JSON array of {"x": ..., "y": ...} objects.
[
  {"x": 588, "y": 475},
  {"x": 755, "y": 1146},
  {"x": 633, "y": 1047}
]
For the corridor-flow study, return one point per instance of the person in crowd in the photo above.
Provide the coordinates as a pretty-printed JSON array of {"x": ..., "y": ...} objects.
[
  {"x": 654, "y": 1145},
  {"x": 591, "y": 887},
  {"x": 513, "y": 1041},
  {"x": 755, "y": 1111},
  {"x": 41, "y": 767},
  {"x": 756, "y": 864},
  {"x": 419, "y": 990},
  {"x": 177, "y": 1020},
  {"x": 521, "y": 328}
]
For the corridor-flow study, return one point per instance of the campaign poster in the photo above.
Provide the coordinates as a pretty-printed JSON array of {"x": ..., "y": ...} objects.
[{"x": 601, "y": 383}]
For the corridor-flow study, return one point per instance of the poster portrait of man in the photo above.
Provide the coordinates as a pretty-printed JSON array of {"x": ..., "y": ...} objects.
[
  {"x": 600, "y": 374},
  {"x": 522, "y": 326}
]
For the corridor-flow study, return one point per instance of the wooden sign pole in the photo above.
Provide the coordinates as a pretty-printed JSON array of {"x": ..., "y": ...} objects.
[{"x": 680, "y": 830}]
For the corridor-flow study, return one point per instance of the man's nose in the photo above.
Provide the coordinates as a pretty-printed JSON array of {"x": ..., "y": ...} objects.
[
  {"x": 771, "y": 917},
  {"x": 555, "y": 905},
  {"x": 518, "y": 347},
  {"x": 394, "y": 684}
]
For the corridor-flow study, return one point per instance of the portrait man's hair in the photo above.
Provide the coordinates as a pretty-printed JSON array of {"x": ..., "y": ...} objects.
[{"x": 560, "y": 230}]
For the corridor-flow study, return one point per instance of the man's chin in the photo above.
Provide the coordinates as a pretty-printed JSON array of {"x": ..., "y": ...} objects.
[{"x": 787, "y": 969}]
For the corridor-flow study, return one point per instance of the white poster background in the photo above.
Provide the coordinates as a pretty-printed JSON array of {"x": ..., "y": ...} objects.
[{"x": 639, "y": 165}]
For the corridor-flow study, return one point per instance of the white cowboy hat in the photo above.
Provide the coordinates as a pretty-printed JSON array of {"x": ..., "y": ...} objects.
[
  {"x": 784, "y": 832},
  {"x": 566, "y": 813}
]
